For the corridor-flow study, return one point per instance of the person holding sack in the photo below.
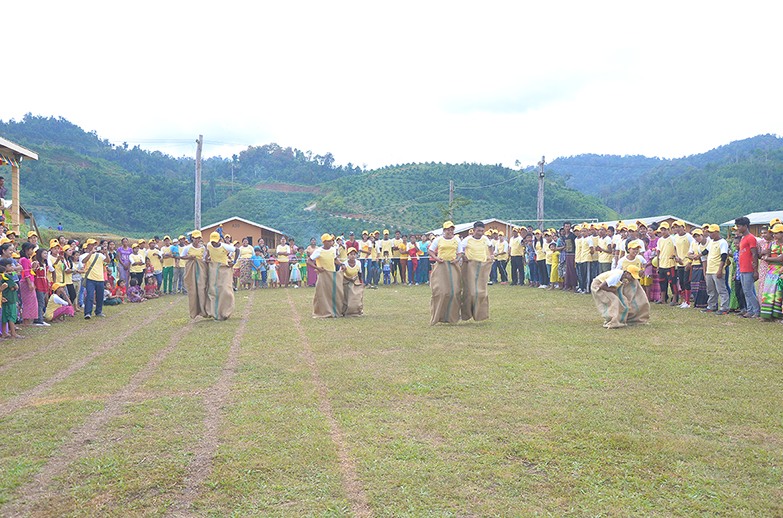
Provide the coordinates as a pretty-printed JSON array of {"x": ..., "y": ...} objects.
[
  {"x": 220, "y": 292},
  {"x": 93, "y": 260},
  {"x": 477, "y": 255},
  {"x": 196, "y": 274},
  {"x": 329, "y": 290},
  {"x": 445, "y": 279}
]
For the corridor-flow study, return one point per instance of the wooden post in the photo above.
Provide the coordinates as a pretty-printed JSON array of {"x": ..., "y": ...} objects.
[
  {"x": 16, "y": 212},
  {"x": 451, "y": 200},
  {"x": 200, "y": 141},
  {"x": 540, "y": 208}
]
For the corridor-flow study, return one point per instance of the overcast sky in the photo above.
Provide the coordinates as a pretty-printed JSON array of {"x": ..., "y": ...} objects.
[{"x": 381, "y": 83}]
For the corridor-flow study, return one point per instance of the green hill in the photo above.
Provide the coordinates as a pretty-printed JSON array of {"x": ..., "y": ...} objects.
[
  {"x": 593, "y": 173},
  {"x": 90, "y": 184}
]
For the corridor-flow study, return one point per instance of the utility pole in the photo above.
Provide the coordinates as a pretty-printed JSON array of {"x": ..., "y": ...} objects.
[
  {"x": 232, "y": 177},
  {"x": 451, "y": 200},
  {"x": 540, "y": 208},
  {"x": 200, "y": 142}
]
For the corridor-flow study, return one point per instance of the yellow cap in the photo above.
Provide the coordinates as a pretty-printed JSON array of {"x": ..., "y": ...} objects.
[
  {"x": 714, "y": 228},
  {"x": 52, "y": 243},
  {"x": 633, "y": 270},
  {"x": 91, "y": 241},
  {"x": 697, "y": 232},
  {"x": 679, "y": 223},
  {"x": 777, "y": 228},
  {"x": 66, "y": 247},
  {"x": 632, "y": 227},
  {"x": 578, "y": 227},
  {"x": 141, "y": 241},
  {"x": 227, "y": 236},
  {"x": 32, "y": 233},
  {"x": 4, "y": 240},
  {"x": 167, "y": 237},
  {"x": 636, "y": 243},
  {"x": 385, "y": 232},
  {"x": 705, "y": 226},
  {"x": 604, "y": 226},
  {"x": 326, "y": 237},
  {"x": 365, "y": 232},
  {"x": 663, "y": 225},
  {"x": 214, "y": 236},
  {"x": 181, "y": 237},
  {"x": 56, "y": 286},
  {"x": 448, "y": 224},
  {"x": 196, "y": 233},
  {"x": 15, "y": 255},
  {"x": 135, "y": 245},
  {"x": 774, "y": 222},
  {"x": 351, "y": 249},
  {"x": 501, "y": 233}
]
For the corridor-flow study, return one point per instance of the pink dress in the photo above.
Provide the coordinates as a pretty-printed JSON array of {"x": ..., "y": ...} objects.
[
  {"x": 27, "y": 294},
  {"x": 762, "y": 244}
]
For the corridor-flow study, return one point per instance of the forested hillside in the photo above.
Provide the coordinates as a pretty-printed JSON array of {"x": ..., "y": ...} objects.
[
  {"x": 591, "y": 173},
  {"x": 716, "y": 192}
]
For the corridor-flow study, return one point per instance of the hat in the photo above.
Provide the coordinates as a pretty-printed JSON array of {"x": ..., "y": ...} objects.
[
  {"x": 11, "y": 232},
  {"x": 705, "y": 226},
  {"x": 777, "y": 228},
  {"x": 90, "y": 241},
  {"x": 351, "y": 249},
  {"x": 536, "y": 231},
  {"x": 52, "y": 243},
  {"x": 679, "y": 222},
  {"x": 236, "y": 243},
  {"x": 774, "y": 222},
  {"x": 135, "y": 245},
  {"x": 195, "y": 233},
  {"x": 364, "y": 232},
  {"x": 181, "y": 237},
  {"x": 663, "y": 225},
  {"x": 578, "y": 227},
  {"x": 604, "y": 226},
  {"x": 714, "y": 228},
  {"x": 697, "y": 232},
  {"x": 227, "y": 236},
  {"x": 351, "y": 233},
  {"x": 56, "y": 286},
  {"x": 66, "y": 247},
  {"x": 167, "y": 237},
  {"x": 326, "y": 237},
  {"x": 214, "y": 236},
  {"x": 15, "y": 255},
  {"x": 633, "y": 270},
  {"x": 32, "y": 233},
  {"x": 385, "y": 232},
  {"x": 4, "y": 240},
  {"x": 448, "y": 224},
  {"x": 635, "y": 244},
  {"x": 140, "y": 241},
  {"x": 501, "y": 233},
  {"x": 633, "y": 227}
]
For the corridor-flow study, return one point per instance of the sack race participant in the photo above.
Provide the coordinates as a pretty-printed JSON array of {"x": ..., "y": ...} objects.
[
  {"x": 446, "y": 277},
  {"x": 353, "y": 287},
  {"x": 620, "y": 298},
  {"x": 478, "y": 255},
  {"x": 196, "y": 274},
  {"x": 329, "y": 292},
  {"x": 220, "y": 290}
]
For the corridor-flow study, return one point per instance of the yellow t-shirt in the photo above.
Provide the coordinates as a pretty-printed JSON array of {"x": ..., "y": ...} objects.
[
  {"x": 605, "y": 243},
  {"x": 683, "y": 246},
  {"x": 396, "y": 243},
  {"x": 595, "y": 255},
  {"x": 516, "y": 247},
  {"x": 447, "y": 248},
  {"x": 325, "y": 259},
  {"x": 364, "y": 249},
  {"x": 196, "y": 252},
  {"x": 218, "y": 254},
  {"x": 373, "y": 252},
  {"x": 549, "y": 254},
  {"x": 386, "y": 246},
  {"x": 136, "y": 258},
  {"x": 155, "y": 261},
  {"x": 245, "y": 252},
  {"x": 342, "y": 254},
  {"x": 476, "y": 249},
  {"x": 167, "y": 261},
  {"x": 352, "y": 271},
  {"x": 697, "y": 249},
  {"x": 96, "y": 272},
  {"x": 59, "y": 272},
  {"x": 283, "y": 252},
  {"x": 501, "y": 250},
  {"x": 625, "y": 262},
  {"x": 713, "y": 258},
  {"x": 665, "y": 253},
  {"x": 578, "y": 250}
]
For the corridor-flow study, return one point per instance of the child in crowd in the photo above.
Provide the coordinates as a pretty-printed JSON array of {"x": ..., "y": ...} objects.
[
  {"x": 386, "y": 265},
  {"x": 41, "y": 284},
  {"x": 117, "y": 294},
  {"x": 554, "y": 270},
  {"x": 151, "y": 288},
  {"x": 60, "y": 305},
  {"x": 296, "y": 275},
  {"x": 258, "y": 264},
  {"x": 135, "y": 292},
  {"x": 10, "y": 311},
  {"x": 272, "y": 274}
]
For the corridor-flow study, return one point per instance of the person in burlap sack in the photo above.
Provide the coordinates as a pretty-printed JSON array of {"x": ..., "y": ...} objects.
[
  {"x": 353, "y": 287},
  {"x": 446, "y": 277},
  {"x": 477, "y": 255},
  {"x": 220, "y": 290},
  {"x": 329, "y": 292},
  {"x": 196, "y": 274},
  {"x": 620, "y": 298}
]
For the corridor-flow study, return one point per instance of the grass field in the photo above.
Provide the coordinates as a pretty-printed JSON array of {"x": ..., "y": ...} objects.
[{"x": 538, "y": 411}]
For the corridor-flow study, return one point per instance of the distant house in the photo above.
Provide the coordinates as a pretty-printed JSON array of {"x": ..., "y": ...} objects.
[
  {"x": 240, "y": 228},
  {"x": 758, "y": 220},
  {"x": 461, "y": 230}
]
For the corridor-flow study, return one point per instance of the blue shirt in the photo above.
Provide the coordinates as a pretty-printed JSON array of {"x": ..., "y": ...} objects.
[{"x": 259, "y": 262}]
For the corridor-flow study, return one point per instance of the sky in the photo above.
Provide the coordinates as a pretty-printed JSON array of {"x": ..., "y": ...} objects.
[{"x": 384, "y": 83}]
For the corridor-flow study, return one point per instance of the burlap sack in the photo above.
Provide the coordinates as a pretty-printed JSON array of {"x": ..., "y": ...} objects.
[
  {"x": 220, "y": 293},
  {"x": 353, "y": 304},
  {"x": 475, "y": 297},
  {"x": 196, "y": 277},
  {"x": 633, "y": 297},
  {"x": 446, "y": 285},
  {"x": 628, "y": 306},
  {"x": 329, "y": 296}
]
